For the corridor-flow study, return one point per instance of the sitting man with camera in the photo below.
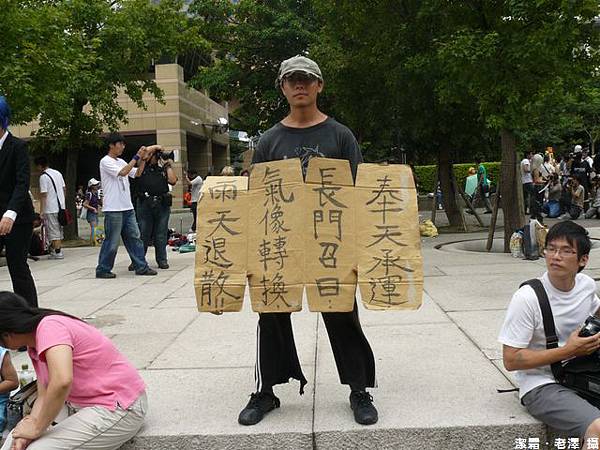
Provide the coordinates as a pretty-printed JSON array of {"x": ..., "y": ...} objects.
[
  {"x": 543, "y": 328},
  {"x": 574, "y": 207},
  {"x": 154, "y": 200}
]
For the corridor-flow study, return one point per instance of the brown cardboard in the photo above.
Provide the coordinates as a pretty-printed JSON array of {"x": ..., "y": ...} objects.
[
  {"x": 221, "y": 244},
  {"x": 275, "y": 231},
  {"x": 325, "y": 234},
  {"x": 390, "y": 266},
  {"x": 329, "y": 230}
]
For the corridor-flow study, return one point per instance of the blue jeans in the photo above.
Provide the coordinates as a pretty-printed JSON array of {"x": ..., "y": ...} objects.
[
  {"x": 154, "y": 225},
  {"x": 121, "y": 224}
]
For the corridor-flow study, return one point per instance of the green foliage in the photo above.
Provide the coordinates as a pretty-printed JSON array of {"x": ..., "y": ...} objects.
[
  {"x": 250, "y": 39},
  {"x": 426, "y": 175},
  {"x": 520, "y": 61},
  {"x": 59, "y": 56},
  {"x": 382, "y": 71}
]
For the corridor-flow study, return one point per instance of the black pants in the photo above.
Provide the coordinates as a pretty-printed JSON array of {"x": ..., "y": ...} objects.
[
  {"x": 194, "y": 209},
  {"x": 17, "y": 246},
  {"x": 527, "y": 189},
  {"x": 277, "y": 358},
  {"x": 536, "y": 199}
]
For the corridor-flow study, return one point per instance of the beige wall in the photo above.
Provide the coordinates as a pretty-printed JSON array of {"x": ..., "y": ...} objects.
[{"x": 185, "y": 112}]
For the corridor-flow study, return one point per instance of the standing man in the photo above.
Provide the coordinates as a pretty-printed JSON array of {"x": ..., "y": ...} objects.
[
  {"x": 16, "y": 208},
  {"x": 195, "y": 181},
  {"x": 154, "y": 201},
  {"x": 52, "y": 199},
  {"x": 119, "y": 216},
  {"x": 527, "y": 179},
  {"x": 305, "y": 133}
]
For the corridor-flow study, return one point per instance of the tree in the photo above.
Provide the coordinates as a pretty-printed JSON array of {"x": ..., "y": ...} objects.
[
  {"x": 520, "y": 61},
  {"x": 383, "y": 72},
  {"x": 586, "y": 107},
  {"x": 87, "y": 51},
  {"x": 250, "y": 39}
]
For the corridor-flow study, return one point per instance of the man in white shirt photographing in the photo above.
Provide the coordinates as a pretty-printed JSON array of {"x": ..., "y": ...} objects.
[
  {"x": 119, "y": 216},
  {"x": 572, "y": 298}
]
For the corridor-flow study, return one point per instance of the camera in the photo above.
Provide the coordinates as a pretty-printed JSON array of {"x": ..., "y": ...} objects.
[
  {"x": 590, "y": 327},
  {"x": 165, "y": 155}
]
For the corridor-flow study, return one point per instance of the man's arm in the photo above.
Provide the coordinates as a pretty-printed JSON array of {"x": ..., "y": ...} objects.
[
  {"x": 43, "y": 197},
  {"x": 129, "y": 167},
  {"x": 524, "y": 358},
  {"x": 171, "y": 177},
  {"x": 20, "y": 194},
  {"x": 351, "y": 151},
  {"x": 22, "y": 172}
]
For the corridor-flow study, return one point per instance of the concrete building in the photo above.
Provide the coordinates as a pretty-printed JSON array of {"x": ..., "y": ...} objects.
[{"x": 188, "y": 123}]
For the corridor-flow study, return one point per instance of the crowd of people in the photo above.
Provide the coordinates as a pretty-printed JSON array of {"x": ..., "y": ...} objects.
[
  {"x": 78, "y": 367},
  {"x": 565, "y": 187},
  {"x": 81, "y": 370}
]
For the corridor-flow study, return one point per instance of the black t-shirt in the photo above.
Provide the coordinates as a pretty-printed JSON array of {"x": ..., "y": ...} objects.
[
  {"x": 328, "y": 139},
  {"x": 153, "y": 181},
  {"x": 581, "y": 170}
]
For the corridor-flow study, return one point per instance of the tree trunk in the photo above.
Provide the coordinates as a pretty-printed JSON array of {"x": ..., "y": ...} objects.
[
  {"x": 74, "y": 144},
  {"x": 512, "y": 206},
  {"x": 448, "y": 192}
]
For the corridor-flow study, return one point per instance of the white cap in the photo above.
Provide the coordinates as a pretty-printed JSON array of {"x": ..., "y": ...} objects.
[
  {"x": 93, "y": 182},
  {"x": 578, "y": 148}
]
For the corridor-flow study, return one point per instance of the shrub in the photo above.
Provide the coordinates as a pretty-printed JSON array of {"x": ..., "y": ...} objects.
[{"x": 427, "y": 174}]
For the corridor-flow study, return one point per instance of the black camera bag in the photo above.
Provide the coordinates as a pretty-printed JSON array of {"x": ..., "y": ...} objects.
[{"x": 582, "y": 374}]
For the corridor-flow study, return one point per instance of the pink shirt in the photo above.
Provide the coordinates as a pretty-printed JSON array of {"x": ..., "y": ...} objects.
[{"x": 102, "y": 376}]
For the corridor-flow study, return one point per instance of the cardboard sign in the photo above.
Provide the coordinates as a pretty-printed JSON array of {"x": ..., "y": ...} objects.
[
  {"x": 284, "y": 234},
  {"x": 275, "y": 247},
  {"x": 330, "y": 238},
  {"x": 390, "y": 266},
  {"x": 221, "y": 244}
]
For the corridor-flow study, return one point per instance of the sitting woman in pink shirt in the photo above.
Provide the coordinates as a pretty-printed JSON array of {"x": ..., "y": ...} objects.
[{"x": 77, "y": 365}]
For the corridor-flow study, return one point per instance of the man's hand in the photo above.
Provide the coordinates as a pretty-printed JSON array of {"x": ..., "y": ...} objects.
[
  {"x": 28, "y": 428},
  {"x": 142, "y": 153},
  {"x": 582, "y": 346},
  {"x": 6, "y": 225},
  {"x": 20, "y": 443}
]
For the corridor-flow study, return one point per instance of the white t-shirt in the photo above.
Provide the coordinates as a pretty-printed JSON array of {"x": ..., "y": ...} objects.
[
  {"x": 590, "y": 161},
  {"x": 525, "y": 176},
  {"x": 115, "y": 189},
  {"x": 524, "y": 328},
  {"x": 196, "y": 186},
  {"x": 51, "y": 205}
]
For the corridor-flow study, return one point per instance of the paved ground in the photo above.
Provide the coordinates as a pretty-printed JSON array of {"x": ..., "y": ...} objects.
[{"x": 438, "y": 368}]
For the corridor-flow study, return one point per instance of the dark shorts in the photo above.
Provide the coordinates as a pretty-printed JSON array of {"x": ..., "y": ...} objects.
[
  {"x": 92, "y": 217},
  {"x": 561, "y": 408}
]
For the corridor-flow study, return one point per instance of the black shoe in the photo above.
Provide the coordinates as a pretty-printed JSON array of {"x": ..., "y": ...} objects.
[
  {"x": 361, "y": 403},
  {"x": 260, "y": 403},
  {"x": 131, "y": 267},
  {"x": 105, "y": 275},
  {"x": 147, "y": 271},
  {"x": 163, "y": 265}
]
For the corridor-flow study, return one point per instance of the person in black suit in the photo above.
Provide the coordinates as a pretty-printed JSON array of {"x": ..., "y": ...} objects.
[{"x": 16, "y": 208}]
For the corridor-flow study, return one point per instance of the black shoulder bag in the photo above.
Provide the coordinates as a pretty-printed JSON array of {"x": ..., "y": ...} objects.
[
  {"x": 582, "y": 374},
  {"x": 64, "y": 215}
]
